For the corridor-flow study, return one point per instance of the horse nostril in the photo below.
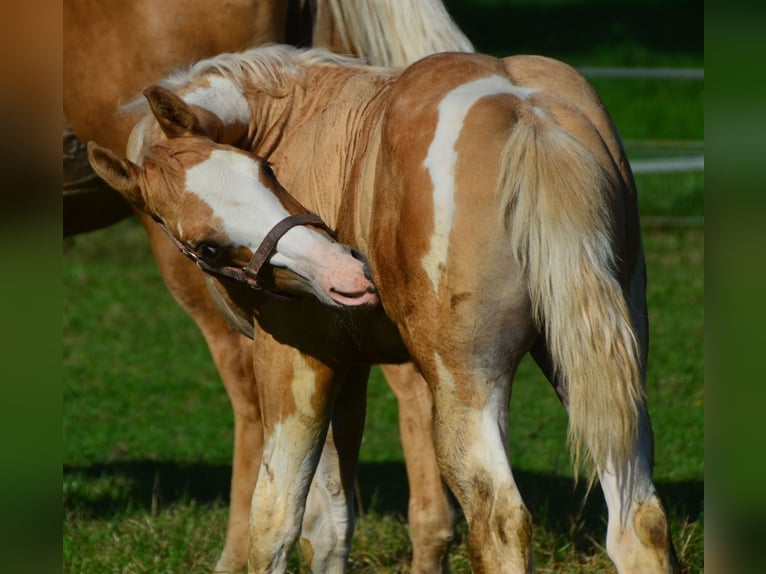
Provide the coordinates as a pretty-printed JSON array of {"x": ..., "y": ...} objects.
[{"x": 359, "y": 256}]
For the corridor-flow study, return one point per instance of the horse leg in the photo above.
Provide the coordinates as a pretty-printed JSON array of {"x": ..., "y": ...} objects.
[
  {"x": 328, "y": 523},
  {"x": 297, "y": 393},
  {"x": 430, "y": 515},
  {"x": 471, "y": 437},
  {"x": 638, "y": 534},
  {"x": 638, "y": 531},
  {"x": 232, "y": 354}
]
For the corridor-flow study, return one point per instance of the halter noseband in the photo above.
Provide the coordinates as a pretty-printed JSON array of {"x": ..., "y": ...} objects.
[{"x": 249, "y": 274}]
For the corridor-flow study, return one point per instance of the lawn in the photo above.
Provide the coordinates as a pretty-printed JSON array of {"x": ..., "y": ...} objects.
[{"x": 147, "y": 425}]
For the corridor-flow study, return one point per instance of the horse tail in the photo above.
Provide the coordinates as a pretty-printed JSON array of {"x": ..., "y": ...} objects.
[
  {"x": 559, "y": 205},
  {"x": 391, "y": 32}
]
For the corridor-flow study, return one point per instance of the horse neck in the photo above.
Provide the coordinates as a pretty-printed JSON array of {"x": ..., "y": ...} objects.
[{"x": 322, "y": 141}]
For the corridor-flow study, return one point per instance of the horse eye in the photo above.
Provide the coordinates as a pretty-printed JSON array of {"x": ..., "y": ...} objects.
[
  {"x": 210, "y": 251},
  {"x": 266, "y": 167}
]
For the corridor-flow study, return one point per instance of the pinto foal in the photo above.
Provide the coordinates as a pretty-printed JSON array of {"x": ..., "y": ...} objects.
[
  {"x": 123, "y": 45},
  {"x": 497, "y": 212}
]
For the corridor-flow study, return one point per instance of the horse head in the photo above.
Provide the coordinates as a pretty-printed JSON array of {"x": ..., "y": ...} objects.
[{"x": 221, "y": 203}]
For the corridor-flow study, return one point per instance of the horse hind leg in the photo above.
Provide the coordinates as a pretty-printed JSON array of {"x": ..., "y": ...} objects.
[
  {"x": 638, "y": 535},
  {"x": 430, "y": 515},
  {"x": 470, "y": 430},
  {"x": 328, "y": 520},
  {"x": 638, "y": 532}
]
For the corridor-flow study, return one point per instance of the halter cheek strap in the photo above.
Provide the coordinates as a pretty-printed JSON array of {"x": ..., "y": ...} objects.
[
  {"x": 249, "y": 274},
  {"x": 269, "y": 243}
]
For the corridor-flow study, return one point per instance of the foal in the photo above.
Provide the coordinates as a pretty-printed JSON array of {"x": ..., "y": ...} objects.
[
  {"x": 496, "y": 208},
  {"x": 111, "y": 53}
]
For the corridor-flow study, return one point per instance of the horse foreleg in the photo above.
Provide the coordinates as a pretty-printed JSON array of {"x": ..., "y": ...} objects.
[
  {"x": 328, "y": 523},
  {"x": 430, "y": 515},
  {"x": 297, "y": 393}
]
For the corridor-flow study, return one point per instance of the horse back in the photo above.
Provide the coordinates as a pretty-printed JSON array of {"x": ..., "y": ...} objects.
[
  {"x": 449, "y": 118},
  {"x": 439, "y": 205}
]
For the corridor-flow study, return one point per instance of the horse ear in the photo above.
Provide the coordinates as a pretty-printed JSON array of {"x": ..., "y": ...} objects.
[
  {"x": 177, "y": 118},
  {"x": 121, "y": 174}
]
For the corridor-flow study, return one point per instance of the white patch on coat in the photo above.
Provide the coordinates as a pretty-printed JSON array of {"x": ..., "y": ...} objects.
[
  {"x": 442, "y": 159},
  {"x": 623, "y": 487},
  {"x": 493, "y": 457},
  {"x": 223, "y": 98},
  {"x": 328, "y": 522},
  {"x": 275, "y": 514},
  {"x": 286, "y": 468}
]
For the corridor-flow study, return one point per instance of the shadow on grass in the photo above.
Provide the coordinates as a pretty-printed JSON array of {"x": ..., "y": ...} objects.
[
  {"x": 589, "y": 26},
  {"x": 110, "y": 489}
]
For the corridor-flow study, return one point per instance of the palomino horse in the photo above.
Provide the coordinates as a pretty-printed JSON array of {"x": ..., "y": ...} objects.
[
  {"x": 496, "y": 208},
  {"x": 113, "y": 51}
]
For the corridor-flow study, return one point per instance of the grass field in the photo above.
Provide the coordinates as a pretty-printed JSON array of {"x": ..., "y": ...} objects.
[{"x": 147, "y": 425}]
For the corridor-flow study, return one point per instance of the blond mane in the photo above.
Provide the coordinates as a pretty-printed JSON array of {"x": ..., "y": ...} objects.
[
  {"x": 273, "y": 69},
  {"x": 270, "y": 68}
]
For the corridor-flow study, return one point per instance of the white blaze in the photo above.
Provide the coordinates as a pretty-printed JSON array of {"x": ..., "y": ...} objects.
[
  {"x": 228, "y": 182},
  {"x": 442, "y": 159}
]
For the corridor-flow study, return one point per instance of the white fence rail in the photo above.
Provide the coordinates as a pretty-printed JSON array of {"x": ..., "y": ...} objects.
[
  {"x": 668, "y": 165},
  {"x": 689, "y": 160},
  {"x": 650, "y": 73},
  {"x": 663, "y": 156}
]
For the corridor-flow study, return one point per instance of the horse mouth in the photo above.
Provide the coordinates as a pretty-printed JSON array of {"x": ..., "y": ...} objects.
[
  {"x": 368, "y": 297},
  {"x": 340, "y": 294}
]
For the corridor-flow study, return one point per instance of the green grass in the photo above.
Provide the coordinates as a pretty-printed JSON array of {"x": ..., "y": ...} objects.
[{"x": 147, "y": 425}]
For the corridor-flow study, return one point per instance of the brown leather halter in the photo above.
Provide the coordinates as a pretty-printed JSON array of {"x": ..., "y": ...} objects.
[{"x": 249, "y": 273}]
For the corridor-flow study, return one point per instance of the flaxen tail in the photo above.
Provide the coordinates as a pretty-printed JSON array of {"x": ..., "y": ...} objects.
[
  {"x": 391, "y": 32},
  {"x": 558, "y": 210}
]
